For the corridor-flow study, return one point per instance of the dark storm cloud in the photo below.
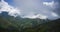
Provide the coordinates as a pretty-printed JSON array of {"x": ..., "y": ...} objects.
[{"x": 57, "y": 7}]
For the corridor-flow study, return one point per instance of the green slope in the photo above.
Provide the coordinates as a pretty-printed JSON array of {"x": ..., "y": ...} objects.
[{"x": 11, "y": 24}]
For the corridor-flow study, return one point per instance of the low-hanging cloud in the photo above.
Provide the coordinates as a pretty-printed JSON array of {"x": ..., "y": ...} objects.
[
  {"x": 30, "y": 9},
  {"x": 4, "y": 6},
  {"x": 37, "y": 7}
]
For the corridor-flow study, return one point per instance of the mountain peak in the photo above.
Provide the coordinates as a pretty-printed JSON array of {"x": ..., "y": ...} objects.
[{"x": 4, "y": 14}]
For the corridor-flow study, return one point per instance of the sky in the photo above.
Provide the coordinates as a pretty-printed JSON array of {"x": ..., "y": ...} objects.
[
  {"x": 31, "y": 8},
  {"x": 10, "y": 2}
]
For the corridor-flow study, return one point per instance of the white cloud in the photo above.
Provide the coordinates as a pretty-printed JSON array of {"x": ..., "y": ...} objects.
[
  {"x": 15, "y": 12},
  {"x": 30, "y": 8},
  {"x": 49, "y": 3},
  {"x": 4, "y": 6},
  {"x": 54, "y": 14},
  {"x": 42, "y": 16},
  {"x": 36, "y": 16}
]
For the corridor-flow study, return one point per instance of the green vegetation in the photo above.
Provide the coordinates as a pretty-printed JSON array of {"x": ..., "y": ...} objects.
[{"x": 11, "y": 24}]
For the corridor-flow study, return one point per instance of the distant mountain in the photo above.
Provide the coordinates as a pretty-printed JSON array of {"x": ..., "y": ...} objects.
[{"x": 18, "y": 24}]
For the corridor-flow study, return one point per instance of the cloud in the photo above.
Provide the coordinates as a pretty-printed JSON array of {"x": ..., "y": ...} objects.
[
  {"x": 49, "y": 3},
  {"x": 57, "y": 7},
  {"x": 4, "y": 6},
  {"x": 30, "y": 9},
  {"x": 36, "y": 16},
  {"x": 38, "y": 7},
  {"x": 54, "y": 14}
]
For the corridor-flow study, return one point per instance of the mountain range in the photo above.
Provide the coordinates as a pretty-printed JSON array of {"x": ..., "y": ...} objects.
[{"x": 18, "y": 24}]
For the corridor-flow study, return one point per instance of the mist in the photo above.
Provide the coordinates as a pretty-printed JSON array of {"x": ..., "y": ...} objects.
[
  {"x": 42, "y": 9},
  {"x": 32, "y": 8}
]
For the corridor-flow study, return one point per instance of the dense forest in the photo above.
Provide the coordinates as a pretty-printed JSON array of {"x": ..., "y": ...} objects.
[{"x": 18, "y": 24}]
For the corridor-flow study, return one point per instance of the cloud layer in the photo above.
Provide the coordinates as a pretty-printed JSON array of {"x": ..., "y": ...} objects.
[
  {"x": 4, "y": 6},
  {"x": 30, "y": 9},
  {"x": 37, "y": 7}
]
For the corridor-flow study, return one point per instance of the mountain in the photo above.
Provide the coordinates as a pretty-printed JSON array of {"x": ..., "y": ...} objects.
[
  {"x": 5, "y": 23},
  {"x": 18, "y": 24},
  {"x": 52, "y": 26}
]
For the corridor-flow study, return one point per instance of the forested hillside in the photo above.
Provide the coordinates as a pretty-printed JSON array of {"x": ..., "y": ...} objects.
[{"x": 18, "y": 24}]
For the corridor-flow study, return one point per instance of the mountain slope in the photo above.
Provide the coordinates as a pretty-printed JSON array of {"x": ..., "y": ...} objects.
[
  {"x": 51, "y": 26},
  {"x": 11, "y": 24}
]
